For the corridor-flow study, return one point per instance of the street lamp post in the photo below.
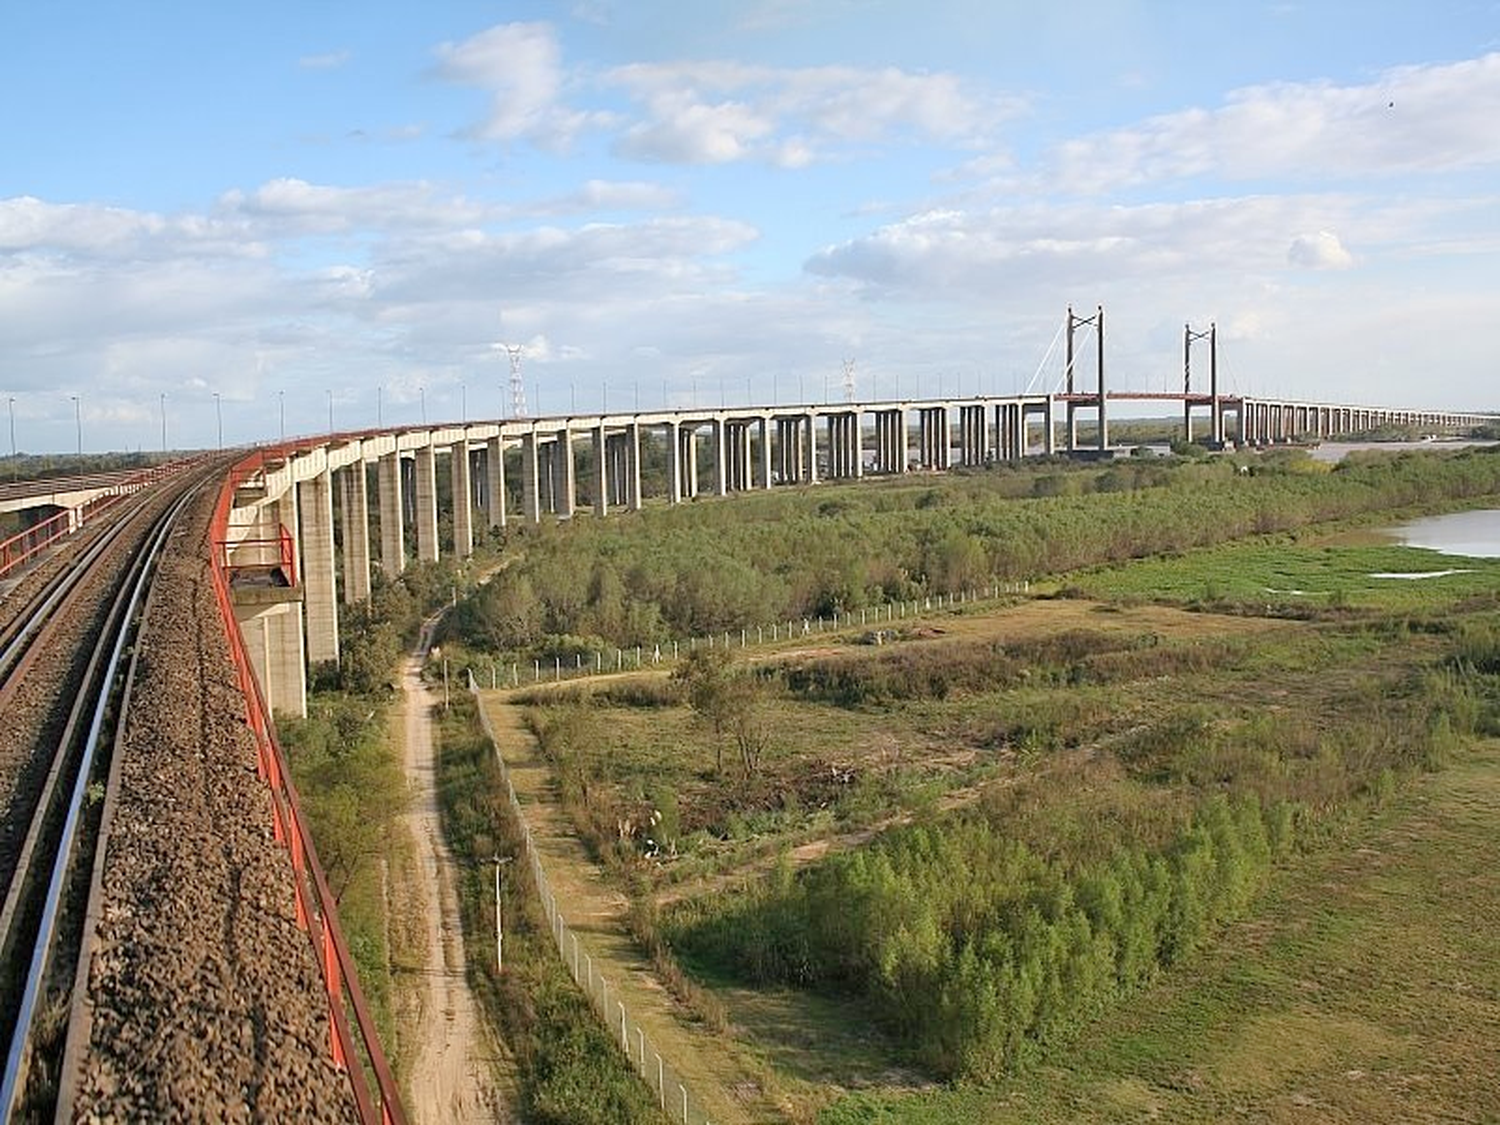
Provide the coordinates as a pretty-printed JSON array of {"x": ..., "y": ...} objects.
[
  {"x": 281, "y": 403},
  {"x": 500, "y": 861},
  {"x": 78, "y": 421},
  {"x": 330, "y": 412},
  {"x": 12, "y": 401},
  {"x": 164, "y": 421},
  {"x": 219, "y": 418},
  {"x": 422, "y": 392}
]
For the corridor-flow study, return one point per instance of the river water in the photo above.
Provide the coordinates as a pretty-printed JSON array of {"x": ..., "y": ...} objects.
[{"x": 1474, "y": 534}]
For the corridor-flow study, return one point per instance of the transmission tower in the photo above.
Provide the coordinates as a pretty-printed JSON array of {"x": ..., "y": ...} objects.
[
  {"x": 848, "y": 380},
  {"x": 517, "y": 352}
]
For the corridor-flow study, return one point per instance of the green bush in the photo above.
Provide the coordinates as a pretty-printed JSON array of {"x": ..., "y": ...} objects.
[{"x": 979, "y": 951}]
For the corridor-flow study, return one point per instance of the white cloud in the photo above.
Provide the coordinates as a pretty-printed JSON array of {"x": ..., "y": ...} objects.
[
  {"x": 720, "y": 112},
  {"x": 1320, "y": 251},
  {"x": 1412, "y": 120},
  {"x": 1042, "y": 244},
  {"x": 31, "y": 225},
  {"x": 612, "y": 195},
  {"x": 713, "y": 112},
  {"x": 296, "y": 206},
  {"x": 521, "y": 64}
]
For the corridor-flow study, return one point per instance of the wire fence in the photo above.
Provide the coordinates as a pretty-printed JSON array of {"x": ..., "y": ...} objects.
[
  {"x": 673, "y": 1094},
  {"x": 672, "y": 1091},
  {"x": 881, "y": 619}
]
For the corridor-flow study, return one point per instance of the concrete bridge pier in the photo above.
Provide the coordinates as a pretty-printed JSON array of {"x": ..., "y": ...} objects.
[
  {"x": 392, "y": 531},
  {"x": 494, "y": 482},
  {"x": 687, "y": 459},
  {"x": 933, "y": 438},
  {"x": 564, "y": 487},
  {"x": 426, "y": 521},
  {"x": 740, "y": 471},
  {"x": 602, "y": 465},
  {"x": 972, "y": 436},
  {"x": 354, "y": 512},
  {"x": 809, "y": 434},
  {"x": 720, "y": 475},
  {"x": 890, "y": 441},
  {"x": 845, "y": 446},
  {"x": 267, "y": 597},
  {"x": 789, "y": 455},
  {"x": 463, "y": 499},
  {"x": 531, "y": 478},
  {"x": 319, "y": 593}
]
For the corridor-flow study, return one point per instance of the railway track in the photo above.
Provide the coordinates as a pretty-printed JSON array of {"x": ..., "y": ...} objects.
[
  {"x": 52, "y": 821},
  {"x": 151, "y": 965}
]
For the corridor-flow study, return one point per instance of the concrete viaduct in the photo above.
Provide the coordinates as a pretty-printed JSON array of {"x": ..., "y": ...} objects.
[{"x": 289, "y": 577}]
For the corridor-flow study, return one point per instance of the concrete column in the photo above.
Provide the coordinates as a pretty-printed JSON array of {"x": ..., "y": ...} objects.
[
  {"x": 857, "y": 444},
  {"x": 601, "y": 470},
  {"x": 392, "y": 531},
  {"x": 673, "y": 437},
  {"x": 765, "y": 452},
  {"x": 531, "y": 496},
  {"x": 272, "y": 629},
  {"x": 463, "y": 500},
  {"x": 354, "y": 508},
  {"x": 427, "y": 521},
  {"x": 494, "y": 476},
  {"x": 788, "y": 457},
  {"x": 687, "y": 459},
  {"x": 564, "y": 494},
  {"x": 633, "y": 498},
  {"x": 721, "y": 458},
  {"x": 810, "y": 451},
  {"x": 319, "y": 586}
]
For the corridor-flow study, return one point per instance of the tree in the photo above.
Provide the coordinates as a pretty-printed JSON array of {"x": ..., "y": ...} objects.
[{"x": 709, "y": 678}]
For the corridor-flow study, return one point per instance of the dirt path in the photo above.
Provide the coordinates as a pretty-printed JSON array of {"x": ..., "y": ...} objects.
[
  {"x": 727, "y": 1084},
  {"x": 453, "y": 1072}
]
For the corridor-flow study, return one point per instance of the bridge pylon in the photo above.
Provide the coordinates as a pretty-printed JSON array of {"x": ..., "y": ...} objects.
[
  {"x": 1216, "y": 410},
  {"x": 1084, "y": 399}
]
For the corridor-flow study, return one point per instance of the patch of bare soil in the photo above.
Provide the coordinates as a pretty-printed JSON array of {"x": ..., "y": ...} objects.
[{"x": 454, "y": 1076}]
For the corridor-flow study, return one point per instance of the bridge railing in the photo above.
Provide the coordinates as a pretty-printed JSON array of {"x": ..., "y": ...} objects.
[
  {"x": 27, "y": 544},
  {"x": 355, "y": 1046}
]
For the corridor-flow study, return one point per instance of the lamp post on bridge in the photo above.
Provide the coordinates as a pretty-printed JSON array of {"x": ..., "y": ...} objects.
[
  {"x": 164, "y": 422},
  {"x": 219, "y": 417},
  {"x": 78, "y": 421}
]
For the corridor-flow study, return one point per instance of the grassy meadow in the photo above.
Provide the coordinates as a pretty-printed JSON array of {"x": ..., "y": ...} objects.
[
  {"x": 1099, "y": 853},
  {"x": 1003, "y": 829}
]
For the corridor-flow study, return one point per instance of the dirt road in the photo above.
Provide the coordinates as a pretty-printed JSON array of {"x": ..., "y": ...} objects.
[{"x": 453, "y": 1076}]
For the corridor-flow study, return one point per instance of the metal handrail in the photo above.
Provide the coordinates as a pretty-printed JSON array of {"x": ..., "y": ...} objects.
[{"x": 315, "y": 903}]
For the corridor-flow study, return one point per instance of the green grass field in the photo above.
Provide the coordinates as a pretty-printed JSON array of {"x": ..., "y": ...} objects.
[
  {"x": 1365, "y": 988},
  {"x": 1355, "y": 980},
  {"x": 1297, "y": 574}
]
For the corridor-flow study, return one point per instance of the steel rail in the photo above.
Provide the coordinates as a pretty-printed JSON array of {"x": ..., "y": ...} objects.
[
  {"x": 16, "y": 639},
  {"x": 97, "y": 700}
]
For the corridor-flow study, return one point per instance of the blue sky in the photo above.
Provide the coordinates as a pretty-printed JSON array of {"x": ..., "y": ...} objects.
[{"x": 679, "y": 202}]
